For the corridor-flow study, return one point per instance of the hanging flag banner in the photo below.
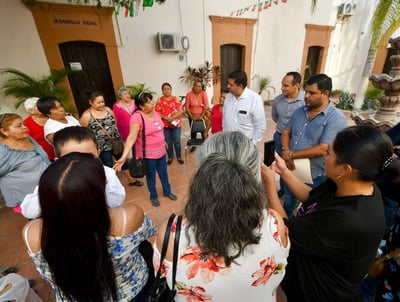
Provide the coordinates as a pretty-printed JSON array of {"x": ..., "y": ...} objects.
[{"x": 264, "y": 5}]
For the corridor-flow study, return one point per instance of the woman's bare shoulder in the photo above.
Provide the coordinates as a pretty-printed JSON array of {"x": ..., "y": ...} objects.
[
  {"x": 31, "y": 234},
  {"x": 126, "y": 219}
]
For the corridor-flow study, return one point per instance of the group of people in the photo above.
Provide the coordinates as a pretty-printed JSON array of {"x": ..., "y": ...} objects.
[
  {"x": 238, "y": 242},
  {"x": 308, "y": 127},
  {"x": 162, "y": 125}
]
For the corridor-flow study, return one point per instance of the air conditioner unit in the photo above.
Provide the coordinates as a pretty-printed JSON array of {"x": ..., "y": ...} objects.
[
  {"x": 346, "y": 9},
  {"x": 169, "y": 42}
]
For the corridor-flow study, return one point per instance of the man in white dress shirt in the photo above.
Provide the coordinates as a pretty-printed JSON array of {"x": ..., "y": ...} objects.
[{"x": 243, "y": 108}]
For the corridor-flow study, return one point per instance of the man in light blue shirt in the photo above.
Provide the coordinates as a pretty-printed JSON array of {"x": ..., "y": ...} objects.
[
  {"x": 243, "y": 108},
  {"x": 309, "y": 132},
  {"x": 283, "y": 107},
  {"x": 285, "y": 104}
]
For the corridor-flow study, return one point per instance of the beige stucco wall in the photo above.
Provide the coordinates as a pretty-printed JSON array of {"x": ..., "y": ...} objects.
[{"x": 20, "y": 44}]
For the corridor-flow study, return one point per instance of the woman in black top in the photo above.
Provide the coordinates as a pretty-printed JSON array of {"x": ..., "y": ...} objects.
[{"x": 337, "y": 230}]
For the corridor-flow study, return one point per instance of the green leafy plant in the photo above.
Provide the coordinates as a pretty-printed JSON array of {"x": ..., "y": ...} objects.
[
  {"x": 371, "y": 99},
  {"x": 264, "y": 85},
  {"x": 370, "y": 104},
  {"x": 336, "y": 92},
  {"x": 139, "y": 88},
  {"x": 22, "y": 86},
  {"x": 346, "y": 101},
  {"x": 373, "y": 93},
  {"x": 207, "y": 73}
]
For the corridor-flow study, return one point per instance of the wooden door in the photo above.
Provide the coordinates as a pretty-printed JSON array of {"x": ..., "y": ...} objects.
[
  {"x": 91, "y": 58},
  {"x": 231, "y": 60}
]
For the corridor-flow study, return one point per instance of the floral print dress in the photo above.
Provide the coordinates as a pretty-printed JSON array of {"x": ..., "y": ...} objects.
[
  {"x": 130, "y": 268},
  {"x": 254, "y": 276}
]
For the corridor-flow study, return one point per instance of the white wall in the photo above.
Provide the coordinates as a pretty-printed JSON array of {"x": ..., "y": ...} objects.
[
  {"x": 349, "y": 47},
  {"x": 20, "y": 45},
  {"x": 278, "y": 38}
]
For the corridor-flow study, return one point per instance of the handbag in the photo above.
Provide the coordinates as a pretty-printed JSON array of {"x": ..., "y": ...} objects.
[
  {"x": 116, "y": 142},
  {"x": 137, "y": 166},
  {"x": 378, "y": 267},
  {"x": 160, "y": 292}
]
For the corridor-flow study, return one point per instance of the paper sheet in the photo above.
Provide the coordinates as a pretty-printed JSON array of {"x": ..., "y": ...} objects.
[{"x": 303, "y": 170}]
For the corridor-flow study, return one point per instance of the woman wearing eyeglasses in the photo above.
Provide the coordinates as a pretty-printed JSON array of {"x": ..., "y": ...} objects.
[{"x": 155, "y": 153}]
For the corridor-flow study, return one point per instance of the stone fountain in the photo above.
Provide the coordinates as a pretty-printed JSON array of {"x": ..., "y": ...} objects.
[{"x": 386, "y": 116}]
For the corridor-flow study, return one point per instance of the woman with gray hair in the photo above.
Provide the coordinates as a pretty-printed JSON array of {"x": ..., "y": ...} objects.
[
  {"x": 123, "y": 109},
  {"x": 234, "y": 247},
  {"x": 35, "y": 123},
  {"x": 236, "y": 147}
]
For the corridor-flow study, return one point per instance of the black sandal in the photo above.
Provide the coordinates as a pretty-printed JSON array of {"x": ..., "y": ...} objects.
[{"x": 136, "y": 183}]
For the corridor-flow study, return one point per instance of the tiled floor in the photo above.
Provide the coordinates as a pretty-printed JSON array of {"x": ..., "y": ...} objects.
[{"x": 13, "y": 251}]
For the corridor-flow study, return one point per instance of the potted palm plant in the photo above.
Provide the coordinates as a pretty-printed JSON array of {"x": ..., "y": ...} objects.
[
  {"x": 207, "y": 73},
  {"x": 22, "y": 86},
  {"x": 139, "y": 88},
  {"x": 265, "y": 86}
]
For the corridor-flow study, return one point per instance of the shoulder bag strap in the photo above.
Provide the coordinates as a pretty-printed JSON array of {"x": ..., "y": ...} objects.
[
  {"x": 164, "y": 248},
  {"x": 105, "y": 131},
  {"x": 143, "y": 140},
  {"x": 175, "y": 258}
]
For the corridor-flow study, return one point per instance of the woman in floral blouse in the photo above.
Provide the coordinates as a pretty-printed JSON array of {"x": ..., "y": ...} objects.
[
  {"x": 232, "y": 247},
  {"x": 86, "y": 251},
  {"x": 170, "y": 110}
]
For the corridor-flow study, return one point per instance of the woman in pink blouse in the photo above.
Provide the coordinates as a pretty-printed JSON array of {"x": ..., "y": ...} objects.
[
  {"x": 123, "y": 109},
  {"x": 146, "y": 117},
  {"x": 197, "y": 106}
]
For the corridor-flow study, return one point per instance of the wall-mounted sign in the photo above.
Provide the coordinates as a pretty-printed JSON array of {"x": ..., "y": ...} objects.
[
  {"x": 74, "y": 21},
  {"x": 75, "y": 65}
]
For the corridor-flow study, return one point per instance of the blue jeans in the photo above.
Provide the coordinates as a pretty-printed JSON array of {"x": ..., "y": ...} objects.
[
  {"x": 159, "y": 166},
  {"x": 290, "y": 202},
  {"x": 173, "y": 139}
]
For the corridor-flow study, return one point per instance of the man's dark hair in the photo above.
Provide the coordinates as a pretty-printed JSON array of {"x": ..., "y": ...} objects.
[
  {"x": 74, "y": 133},
  {"x": 323, "y": 82},
  {"x": 296, "y": 77},
  {"x": 239, "y": 76}
]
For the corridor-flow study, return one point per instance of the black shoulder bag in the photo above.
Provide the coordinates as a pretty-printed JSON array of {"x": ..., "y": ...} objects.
[
  {"x": 137, "y": 166},
  {"x": 160, "y": 292}
]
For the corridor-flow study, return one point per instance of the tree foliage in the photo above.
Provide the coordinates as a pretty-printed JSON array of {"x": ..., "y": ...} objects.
[{"x": 386, "y": 18}]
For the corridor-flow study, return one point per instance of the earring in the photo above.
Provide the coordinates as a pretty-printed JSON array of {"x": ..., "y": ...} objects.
[{"x": 338, "y": 177}]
